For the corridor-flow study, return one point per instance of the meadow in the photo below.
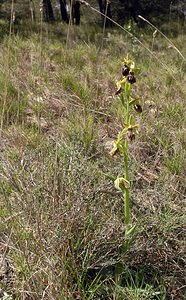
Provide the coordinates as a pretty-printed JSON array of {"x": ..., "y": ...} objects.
[{"x": 61, "y": 218}]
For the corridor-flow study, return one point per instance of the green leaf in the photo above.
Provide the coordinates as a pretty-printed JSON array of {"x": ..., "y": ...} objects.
[{"x": 108, "y": 176}]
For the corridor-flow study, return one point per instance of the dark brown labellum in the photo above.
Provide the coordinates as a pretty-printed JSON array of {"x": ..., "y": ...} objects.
[
  {"x": 125, "y": 70},
  {"x": 131, "y": 78},
  {"x": 138, "y": 108}
]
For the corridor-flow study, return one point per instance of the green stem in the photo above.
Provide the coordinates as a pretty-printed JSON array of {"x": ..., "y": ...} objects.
[
  {"x": 127, "y": 95},
  {"x": 125, "y": 158},
  {"x": 126, "y": 191}
]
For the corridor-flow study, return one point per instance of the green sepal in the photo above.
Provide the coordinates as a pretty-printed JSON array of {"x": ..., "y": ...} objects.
[
  {"x": 132, "y": 101},
  {"x": 130, "y": 231}
]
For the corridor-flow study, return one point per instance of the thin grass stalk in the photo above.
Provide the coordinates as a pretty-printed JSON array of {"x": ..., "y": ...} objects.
[
  {"x": 99, "y": 68},
  {"x": 165, "y": 67},
  {"x": 7, "y": 62},
  {"x": 68, "y": 33},
  {"x": 172, "y": 44}
]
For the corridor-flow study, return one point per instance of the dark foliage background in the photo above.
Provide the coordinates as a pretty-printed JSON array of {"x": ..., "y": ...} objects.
[{"x": 122, "y": 10}]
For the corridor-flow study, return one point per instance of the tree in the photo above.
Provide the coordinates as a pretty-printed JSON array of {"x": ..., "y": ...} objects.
[
  {"x": 64, "y": 14},
  {"x": 48, "y": 14},
  {"x": 130, "y": 9},
  {"x": 74, "y": 11},
  {"x": 105, "y": 8}
]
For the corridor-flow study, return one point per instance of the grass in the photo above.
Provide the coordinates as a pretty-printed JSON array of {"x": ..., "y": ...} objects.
[{"x": 61, "y": 225}]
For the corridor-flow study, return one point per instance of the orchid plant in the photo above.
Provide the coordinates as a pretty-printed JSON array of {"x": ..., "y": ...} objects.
[{"x": 126, "y": 135}]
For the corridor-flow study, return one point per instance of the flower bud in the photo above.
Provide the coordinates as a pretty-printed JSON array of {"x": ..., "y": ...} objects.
[
  {"x": 121, "y": 183},
  {"x": 114, "y": 150}
]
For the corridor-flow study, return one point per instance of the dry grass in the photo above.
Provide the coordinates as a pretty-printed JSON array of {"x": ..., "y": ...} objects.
[{"x": 61, "y": 223}]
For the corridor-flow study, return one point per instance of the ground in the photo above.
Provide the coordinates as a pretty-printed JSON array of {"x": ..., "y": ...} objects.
[{"x": 62, "y": 224}]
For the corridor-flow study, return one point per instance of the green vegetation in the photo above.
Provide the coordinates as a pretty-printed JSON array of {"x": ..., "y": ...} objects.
[{"x": 61, "y": 221}]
